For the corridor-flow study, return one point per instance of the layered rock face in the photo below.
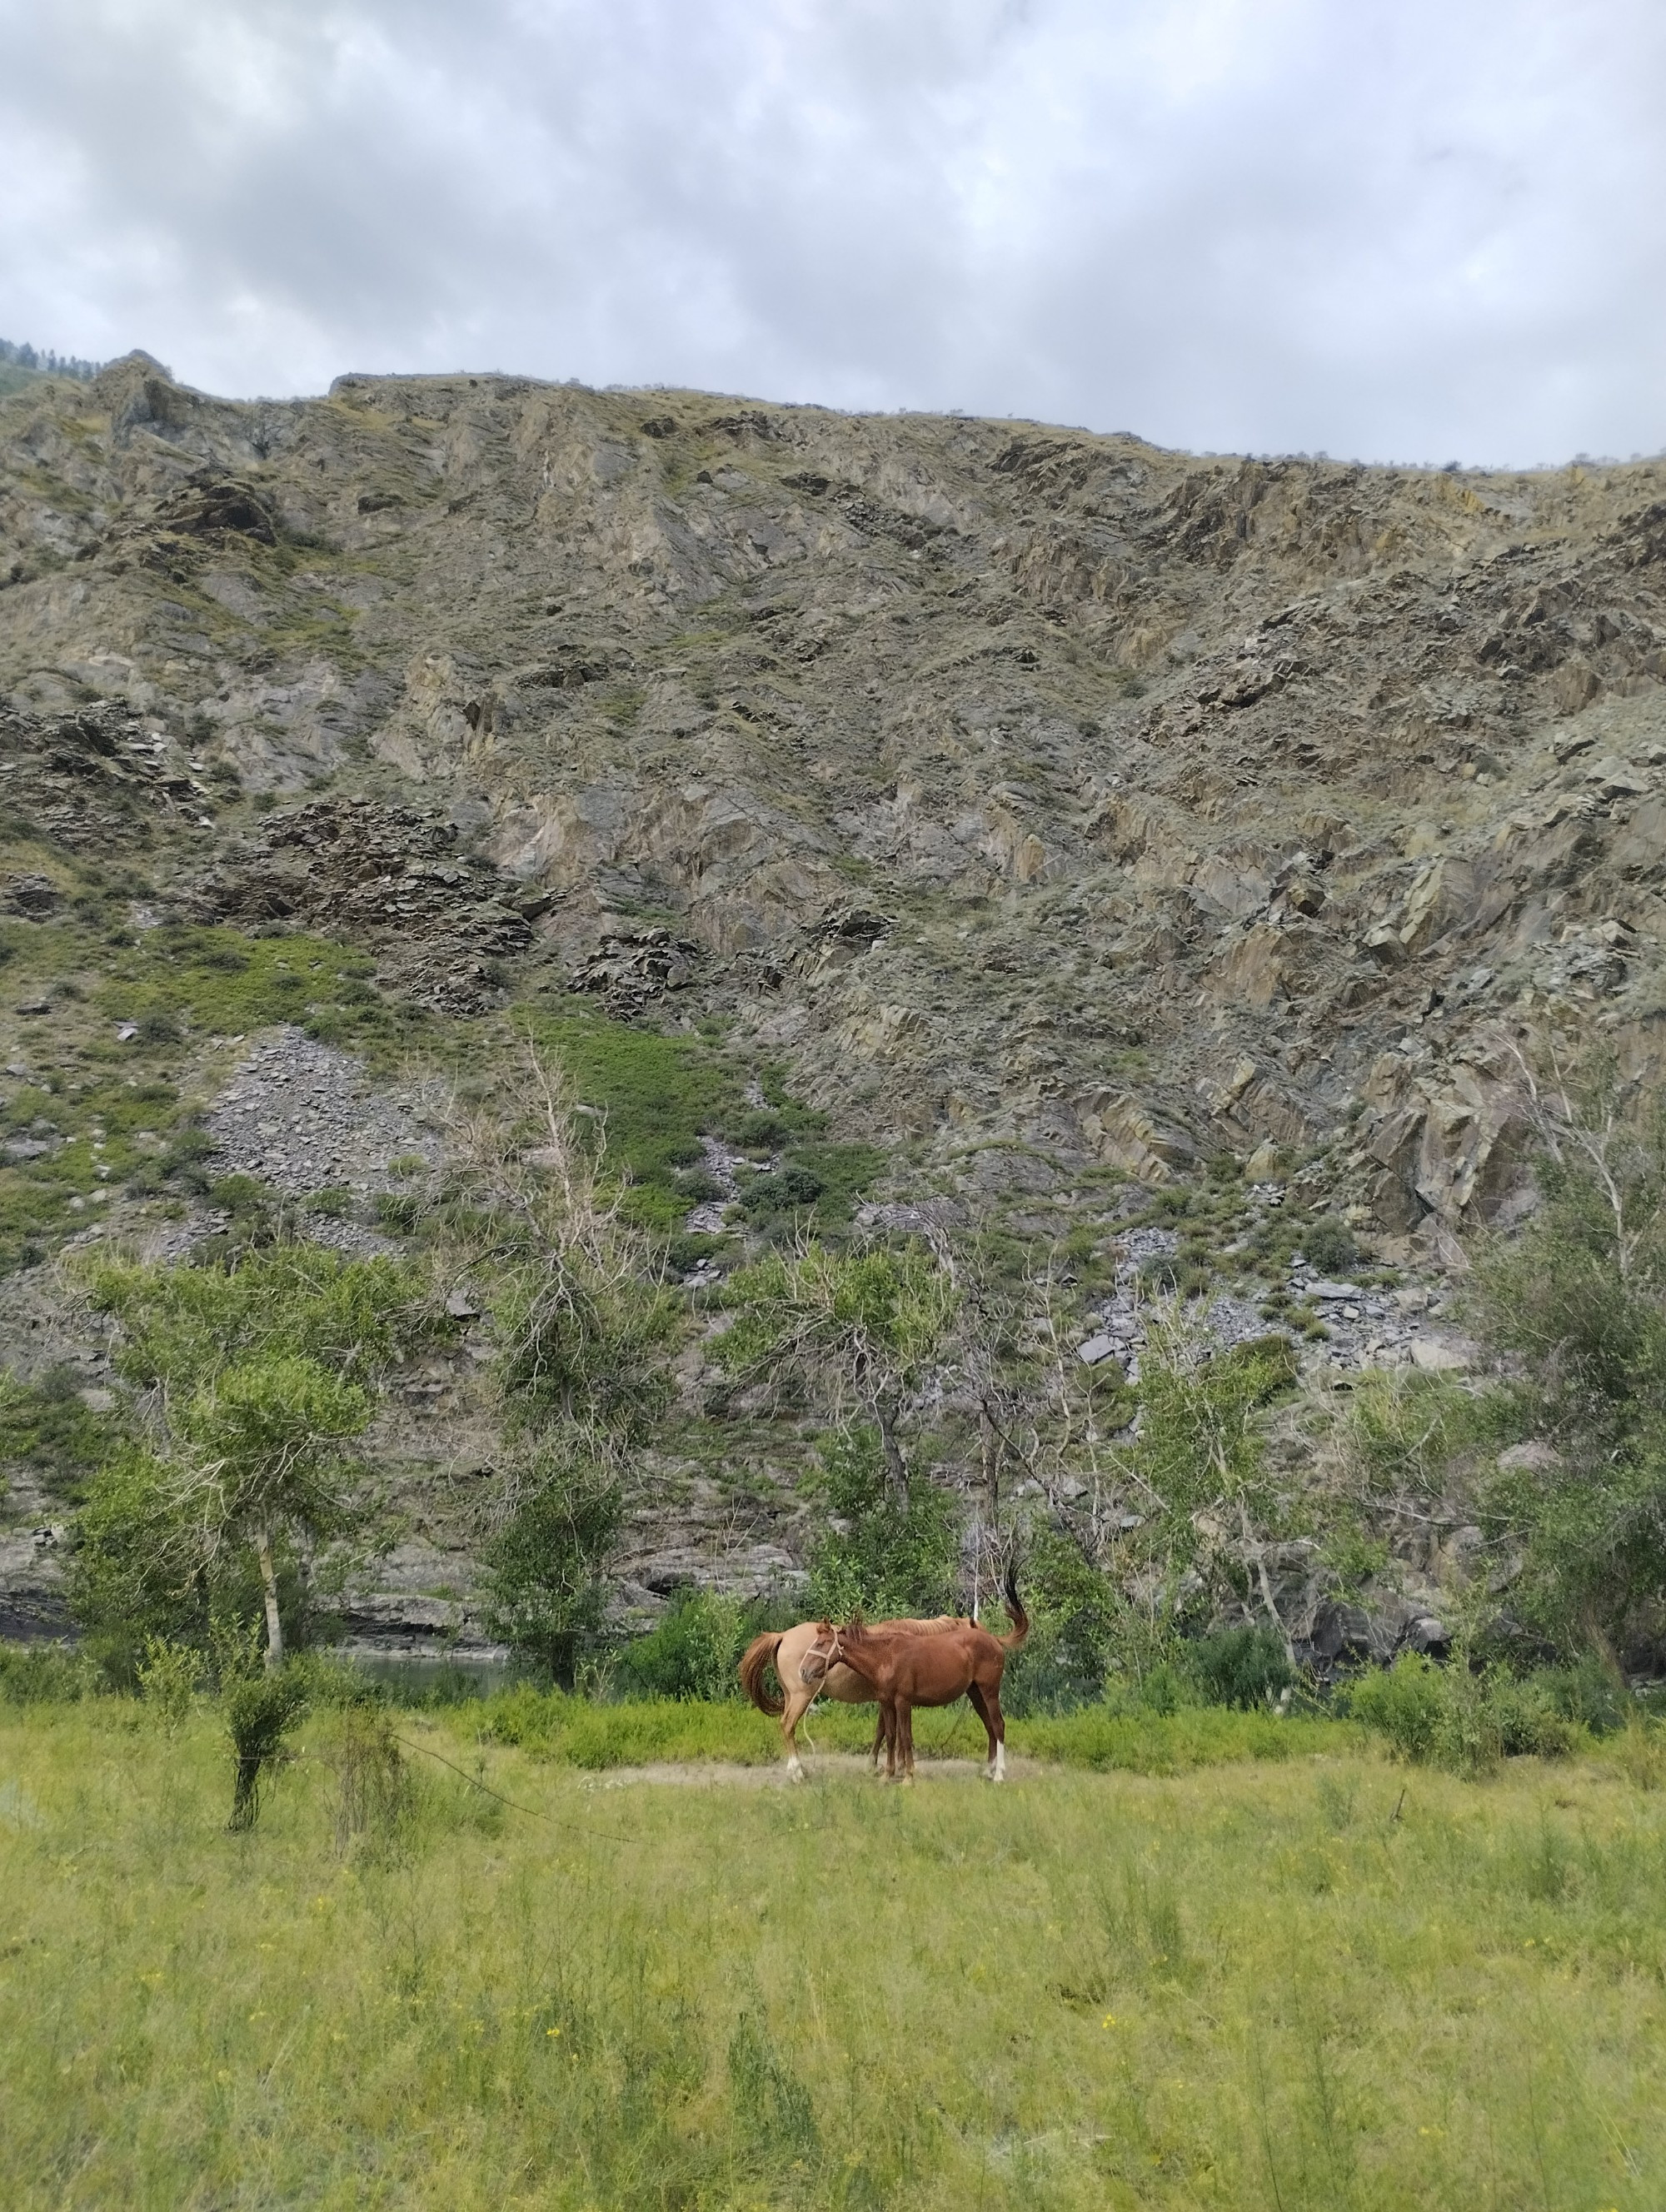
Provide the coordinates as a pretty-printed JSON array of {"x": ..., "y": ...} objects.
[{"x": 1010, "y": 785}]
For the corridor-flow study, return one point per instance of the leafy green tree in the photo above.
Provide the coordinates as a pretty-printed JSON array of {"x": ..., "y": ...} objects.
[
  {"x": 882, "y": 1555},
  {"x": 180, "y": 1324},
  {"x": 260, "y": 1456},
  {"x": 580, "y": 1308},
  {"x": 260, "y": 1374},
  {"x": 1198, "y": 1464},
  {"x": 861, "y": 1325},
  {"x": 131, "y": 1575},
  {"x": 1575, "y": 1303},
  {"x": 542, "y": 1577}
]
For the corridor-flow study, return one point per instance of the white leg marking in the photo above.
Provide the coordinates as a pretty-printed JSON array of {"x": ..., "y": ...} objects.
[
  {"x": 999, "y": 1773},
  {"x": 794, "y": 1769}
]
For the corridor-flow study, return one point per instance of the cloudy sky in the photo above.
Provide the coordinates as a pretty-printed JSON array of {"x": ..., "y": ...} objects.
[{"x": 1395, "y": 229}]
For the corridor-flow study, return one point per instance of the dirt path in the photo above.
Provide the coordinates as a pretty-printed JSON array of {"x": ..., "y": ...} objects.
[{"x": 844, "y": 1766}]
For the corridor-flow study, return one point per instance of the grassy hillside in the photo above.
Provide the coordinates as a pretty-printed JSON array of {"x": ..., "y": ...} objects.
[{"x": 1317, "y": 1984}]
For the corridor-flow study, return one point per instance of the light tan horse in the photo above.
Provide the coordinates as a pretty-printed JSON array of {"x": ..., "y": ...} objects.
[{"x": 805, "y": 1675}]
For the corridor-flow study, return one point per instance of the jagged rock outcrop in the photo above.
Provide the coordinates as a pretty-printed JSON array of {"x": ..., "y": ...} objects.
[
  {"x": 390, "y": 877},
  {"x": 1207, "y": 803}
]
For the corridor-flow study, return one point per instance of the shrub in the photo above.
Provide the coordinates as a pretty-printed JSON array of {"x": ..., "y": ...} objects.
[
  {"x": 1329, "y": 1246},
  {"x": 46, "y": 1675},
  {"x": 260, "y": 1710},
  {"x": 373, "y": 1797},
  {"x": 1577, "y": 1301},
  {"x": 1593, "y": 1693},
  {"x": 1408, "y": 1704},
  {"x": 1448, "y": 1716},
  {"x": 166, "y": 1677},
  {"x": 691, "y": 1653},
  {"x": 1076, "y": 1623},
  {"x": 1406, "y": 1429},
  {"x": 1246, "y": 1666}
]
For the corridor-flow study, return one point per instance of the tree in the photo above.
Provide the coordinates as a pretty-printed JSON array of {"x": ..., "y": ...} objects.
[
  {"x": 881, "y": 1555},
  {"x": 259, "y": 1457},
  {"x": 1198, "y": 1464},
  {"x": 257, "y": 1377},
  {"x": 583, "y": 1317},
  {"x": 1574, "y": 1303},
  {"x": 542, "y": 1569},
  {"x": 861, "y": 1324},
  {"x": 580, "y": 1307}
]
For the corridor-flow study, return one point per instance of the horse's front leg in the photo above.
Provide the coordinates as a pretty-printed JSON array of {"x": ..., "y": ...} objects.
[
  {"x": 903, "y": 1717},
  {"x": 879, "y": 1739},
  {"x": 888, "y": 1728}
]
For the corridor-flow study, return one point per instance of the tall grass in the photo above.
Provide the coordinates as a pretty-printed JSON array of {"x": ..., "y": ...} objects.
[
  {"x": 1322, "y": 1983},
  {"x": 644, "y": 1731}
]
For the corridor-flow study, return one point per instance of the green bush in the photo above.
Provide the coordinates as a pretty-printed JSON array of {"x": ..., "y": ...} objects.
[
  {"x": 1076, "y": 1620},
  {"x": 260, "y": 1710},
  {"x": 1247, "y": 1667},
  {"x": 1577, "y": 1302},
  {"x": 1329, "y": 1246},
  {"x": 166, "y": 1677},
  {"x": 1593, "y": 1693},
  {"x": 1448, "y": 1716},
  {"x": 1409, "y": 1703},
  {"x": 46, "y": 1675},
  {"x": 692, "y": 1652}
]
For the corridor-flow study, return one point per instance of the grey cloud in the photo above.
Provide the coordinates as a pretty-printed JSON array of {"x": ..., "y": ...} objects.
[{"x": 1385, "y": 228}]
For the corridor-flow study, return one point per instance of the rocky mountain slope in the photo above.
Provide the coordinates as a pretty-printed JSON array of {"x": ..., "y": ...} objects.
[{"x": 1042, "y": 804}]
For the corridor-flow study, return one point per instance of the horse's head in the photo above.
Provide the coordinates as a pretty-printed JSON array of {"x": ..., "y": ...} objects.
[{"x": 823, "y": 1655}]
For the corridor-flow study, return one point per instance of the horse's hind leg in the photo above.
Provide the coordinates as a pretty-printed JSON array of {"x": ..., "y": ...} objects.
[
  {"x": 996, "y": 1768},
  {"x": 799, "y": 1702},
  {"x": 902, "y": 1725},
  {"x": 996, "y": 1721}
]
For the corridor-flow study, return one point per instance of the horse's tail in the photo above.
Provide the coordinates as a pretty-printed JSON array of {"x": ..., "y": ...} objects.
[
  {"x": 760, "y": 1654},
  {"x": 1015, "y": 1606}
]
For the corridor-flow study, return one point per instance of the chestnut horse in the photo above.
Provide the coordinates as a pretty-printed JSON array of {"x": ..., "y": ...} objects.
[
  {"x": 905, "y": 1671},
  {"x": 804, "y": 1674}
]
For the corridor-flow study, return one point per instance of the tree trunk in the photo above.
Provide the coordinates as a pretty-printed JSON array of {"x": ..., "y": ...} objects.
[
  {"x": 274, "y": 1625},
  {"x": 989, "y": 1446},
  {"x": 897, "y": 1475}
]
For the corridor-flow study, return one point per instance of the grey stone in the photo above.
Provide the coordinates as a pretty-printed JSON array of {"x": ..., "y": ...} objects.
[
  {"x": 1536, "y": 1456},
  {"x": 1441, "y": 1355}
]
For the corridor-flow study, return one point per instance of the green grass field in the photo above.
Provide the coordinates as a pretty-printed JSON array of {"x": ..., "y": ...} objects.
[{"x": 1325, "y": 1982}]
